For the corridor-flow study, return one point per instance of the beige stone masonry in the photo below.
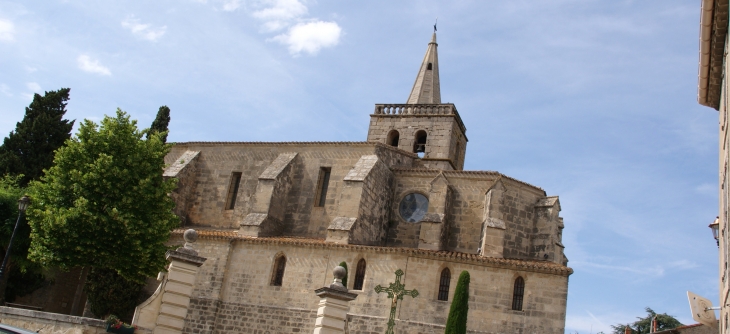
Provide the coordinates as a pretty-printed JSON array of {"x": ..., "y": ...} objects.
[
  {"x": 362, "y": 213},
  {"x": 333, "y": 305},
  {"x": 269, "y": 208},
  {"x": 492, "y": 243},
  {"x": 434, "y": 226},
  {"x": 164, "y": 312},
  {"x": 186, "y": 159}
]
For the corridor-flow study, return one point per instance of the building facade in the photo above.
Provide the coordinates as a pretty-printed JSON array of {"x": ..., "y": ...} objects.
[
  {"x": 274, "y": 219},
  {"x": 712, "y": 92}
]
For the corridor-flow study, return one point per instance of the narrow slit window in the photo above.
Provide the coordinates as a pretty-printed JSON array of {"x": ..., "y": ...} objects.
[
  {"x": 519, "y": 292},
  {"x": 322, "y": 185},
  {"x": 279, "y": 266},
  {"x": 359, "y": 275},
  {"x": 233, "y": 190},
  {"x": 444, "y": 284},
  {"x": 429, "y": 67}
]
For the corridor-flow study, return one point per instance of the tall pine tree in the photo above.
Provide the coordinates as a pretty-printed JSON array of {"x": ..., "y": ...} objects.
[
  {"x": 160, "y": 123},
  {"x": 456, "y": 323},
  {"x": 30, "y": 148}
]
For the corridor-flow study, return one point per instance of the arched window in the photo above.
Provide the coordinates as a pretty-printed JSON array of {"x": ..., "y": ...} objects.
[
  {"x": 359, "y": 275},
  {"x": 393, "y": 138},
  {"x": 429, "y": 67},
  {"x": 444, "y": 283},
  {"x": 519, "y": 292},
  {"x": 279, "y": 266},
  {"x": 419, "y": 144}
]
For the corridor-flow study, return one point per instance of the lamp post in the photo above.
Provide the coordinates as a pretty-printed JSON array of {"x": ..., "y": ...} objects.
[
  {"x": 23, "y": 203},
  {"x": 715, "y": 226}
]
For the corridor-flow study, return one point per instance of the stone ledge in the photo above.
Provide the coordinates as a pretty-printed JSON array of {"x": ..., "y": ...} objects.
[{"x": 4, "y": 310}]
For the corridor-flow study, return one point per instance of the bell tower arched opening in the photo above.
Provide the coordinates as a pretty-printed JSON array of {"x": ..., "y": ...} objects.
[
  {"x": 419, "y": 143},
  {"x": 393, "y": 138}
]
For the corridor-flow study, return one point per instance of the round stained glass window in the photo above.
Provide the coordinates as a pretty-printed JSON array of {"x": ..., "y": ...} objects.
[{"x": 413, "y": 207}]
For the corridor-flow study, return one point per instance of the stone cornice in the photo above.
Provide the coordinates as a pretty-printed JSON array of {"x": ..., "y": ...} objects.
[
  {"x": 297, "y": 143},
  {"x": 542, "y": 267}
]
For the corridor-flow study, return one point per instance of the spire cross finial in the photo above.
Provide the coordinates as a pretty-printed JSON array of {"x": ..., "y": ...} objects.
[
  {"x": 395, "y": 290},
  {"x": 434, "y": 25}
]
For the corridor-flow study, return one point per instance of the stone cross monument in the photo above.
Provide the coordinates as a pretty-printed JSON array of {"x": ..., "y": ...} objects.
[{"x": 396, "y": 291}]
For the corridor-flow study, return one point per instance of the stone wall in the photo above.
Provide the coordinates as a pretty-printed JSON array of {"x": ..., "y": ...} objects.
[
  {"x": 224, "y": 296},
  {"x": 217, "y": 161},
  {"x": 58, "y": 295},
  {"x": 440, "y": 142},
  {"x": 52, "y": 323}
]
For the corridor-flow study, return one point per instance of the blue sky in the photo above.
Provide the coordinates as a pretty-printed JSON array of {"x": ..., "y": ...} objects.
[{"x": 594, "y": 101}]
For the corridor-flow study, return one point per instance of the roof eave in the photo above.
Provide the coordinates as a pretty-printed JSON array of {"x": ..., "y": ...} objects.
[{"x": 713, "y": 30}]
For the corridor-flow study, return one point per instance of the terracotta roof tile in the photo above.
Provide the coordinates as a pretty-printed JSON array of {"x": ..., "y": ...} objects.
[{"x": 527, "y": 265}]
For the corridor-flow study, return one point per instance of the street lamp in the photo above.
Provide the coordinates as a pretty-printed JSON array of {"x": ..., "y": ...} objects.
[
  {"x": 715, "y": 226},
  {"x": 23, "y": 204}
]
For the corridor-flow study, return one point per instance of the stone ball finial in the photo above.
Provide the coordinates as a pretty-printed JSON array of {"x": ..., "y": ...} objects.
[
  {"x": 190, "y": 235},
  {"x": 339, "y": 273}
]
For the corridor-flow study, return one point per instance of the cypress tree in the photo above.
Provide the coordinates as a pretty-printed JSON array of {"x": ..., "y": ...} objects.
[
  {"x": 30, "y": 148},
  {"x": 343, "y": 264},
  {"x": 159, "y": 125},
  {"x": 456, "y": 323}
]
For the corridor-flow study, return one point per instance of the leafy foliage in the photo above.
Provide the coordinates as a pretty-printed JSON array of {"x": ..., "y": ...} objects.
[
  {"x": 24, "y": 276},
  {"x": 110, "y": 293},
  {"x": 104, "y": 203},
  {"x": 456, "y": 323},
  {"x": 643, "y": 325},
  {"x": 28, "y": 150},
  {"x": 159, "y": 125},
  {"x": 343, "y": 264}
]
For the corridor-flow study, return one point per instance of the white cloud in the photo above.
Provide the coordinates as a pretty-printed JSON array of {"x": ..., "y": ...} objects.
[
  {"x": 33, "y": 86},
  {"x": 311, "y": 37},
  {"x": 7, "y": 30},
  {"x": 87, "y": 64},
  {"x": 144, "y": 31},
  {"x": 5, "y": 90},
  {"x": 280, "y": 13},
  {"x": 231, "y": 5}
]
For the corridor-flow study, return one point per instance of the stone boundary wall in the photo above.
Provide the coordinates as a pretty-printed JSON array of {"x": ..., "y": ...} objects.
[
  {"x": 249, "y": 318},
  {"x": 51, "y": 323}
]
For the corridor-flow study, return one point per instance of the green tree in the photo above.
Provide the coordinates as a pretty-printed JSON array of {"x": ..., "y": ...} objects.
[
  {"x": 110, "y": 293},
  {"x": 643, "y": 325},
  {"x": 23, "y": 276},
  {"x": 456, "y": 323},
  {"x": 159, "y": 125},
  {"x": 28, "y": 150},
  {"x": 343, "y": 264},
  {"x": 104, "y": 203}
]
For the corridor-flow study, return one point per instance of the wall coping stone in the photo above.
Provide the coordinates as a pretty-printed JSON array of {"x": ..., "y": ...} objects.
[{"x": 52, "y": 316}]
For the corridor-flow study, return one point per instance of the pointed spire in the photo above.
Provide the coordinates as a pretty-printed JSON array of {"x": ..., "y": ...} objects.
[{"x": 427, "y": 89}]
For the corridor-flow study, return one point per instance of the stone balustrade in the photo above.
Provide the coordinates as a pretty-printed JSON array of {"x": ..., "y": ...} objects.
[
  {"x": 419, "y": 110},
  {"x": 415, "y": 109}
]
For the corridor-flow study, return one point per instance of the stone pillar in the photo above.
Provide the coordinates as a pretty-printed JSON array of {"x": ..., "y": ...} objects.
[
  {"x": 333, "y": 305},
  {"x": 164, "y": 312}
]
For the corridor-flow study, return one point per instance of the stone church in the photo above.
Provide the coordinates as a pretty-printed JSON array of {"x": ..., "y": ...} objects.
[{"x": 274, "y": 219}]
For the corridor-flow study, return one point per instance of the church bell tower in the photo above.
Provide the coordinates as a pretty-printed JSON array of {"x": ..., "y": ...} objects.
[{"x": 423, "y": 125}]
